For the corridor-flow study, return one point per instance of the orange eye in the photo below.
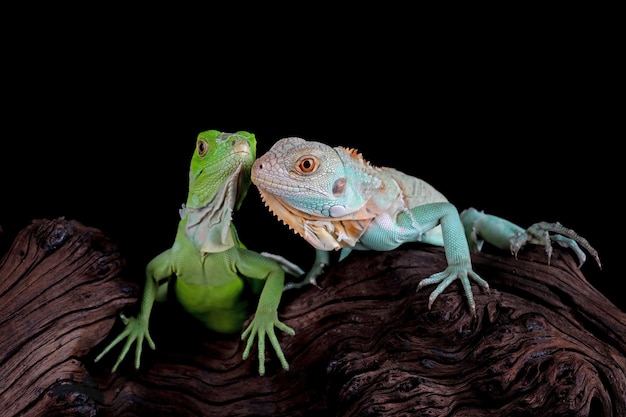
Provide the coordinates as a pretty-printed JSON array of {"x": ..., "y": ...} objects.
[
  {"x": 307, "y": 164},
  {"x": 202, "y": 148}
]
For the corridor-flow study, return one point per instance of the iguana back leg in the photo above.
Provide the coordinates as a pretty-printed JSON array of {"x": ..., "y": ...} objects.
[{"x": 481, "y": 227}]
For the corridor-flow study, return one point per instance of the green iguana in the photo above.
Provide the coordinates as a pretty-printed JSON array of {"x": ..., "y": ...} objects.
[
  {"x": 335, "y": 199},
  {"x": 207, "y": 263}
]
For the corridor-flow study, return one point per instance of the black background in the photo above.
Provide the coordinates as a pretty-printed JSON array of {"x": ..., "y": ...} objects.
[{"x": 524, "y": 127}]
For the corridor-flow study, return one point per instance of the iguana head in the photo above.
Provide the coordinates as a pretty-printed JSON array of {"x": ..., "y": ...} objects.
[
  {"x": 219, "y": 178},
  {"x": 321, "y": 192},
  {"x": 221, "y": 163}
]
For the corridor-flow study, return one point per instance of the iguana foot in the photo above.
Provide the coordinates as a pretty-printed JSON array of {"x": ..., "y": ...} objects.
[
  {"x": 136, "y": 331},
  {"x": 263, "y": 324},
  {"x": 539, "y": 234},
  {"x": 321, "y": 261},
  {"x": 310, "y": 279},
  {"x": 446, "y": 277}
]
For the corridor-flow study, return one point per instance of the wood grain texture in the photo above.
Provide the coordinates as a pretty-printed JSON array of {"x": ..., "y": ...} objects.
[
  {"x": 544, "y": 342},
  {"x": 60, "y": 292}
]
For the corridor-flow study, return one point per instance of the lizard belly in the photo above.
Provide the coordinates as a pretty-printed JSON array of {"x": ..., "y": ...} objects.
[
  {"x": 387, "y": 232},
  {"x": 221, "y": 309},
  {"x": 384, "y": 234}
]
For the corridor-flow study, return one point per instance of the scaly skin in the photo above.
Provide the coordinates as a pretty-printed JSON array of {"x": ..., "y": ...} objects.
[
  {"x": 336, "y": 200},
  {"x": 211, "y": 265}
]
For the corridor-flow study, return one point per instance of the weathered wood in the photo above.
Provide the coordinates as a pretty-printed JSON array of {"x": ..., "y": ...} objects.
[
  {"x": 545, "y": 342},
  {"x": 60, "y": 292}
]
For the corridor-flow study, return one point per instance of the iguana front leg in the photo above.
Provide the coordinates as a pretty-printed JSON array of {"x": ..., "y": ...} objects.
[
  {"x": 136, "y": 328},
  {"x": 505, "y": 235},
  {"x": 426, "y": 217},
  {"x": 256, "y": 266}
]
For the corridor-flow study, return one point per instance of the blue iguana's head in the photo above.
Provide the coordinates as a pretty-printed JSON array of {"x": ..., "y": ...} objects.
[
  {"x": 309, "y": 185},
  {"x": 311, "y": 177}
]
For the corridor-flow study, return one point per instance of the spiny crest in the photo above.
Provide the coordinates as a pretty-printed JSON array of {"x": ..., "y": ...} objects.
[
  {"x": 276, "y": 211},
  {"x": 364, "y": 173},
  {"x": 357, "y": 156}
]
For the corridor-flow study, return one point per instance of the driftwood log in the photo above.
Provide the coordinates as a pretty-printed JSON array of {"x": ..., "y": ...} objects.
[{"x": 544, "y": 342}]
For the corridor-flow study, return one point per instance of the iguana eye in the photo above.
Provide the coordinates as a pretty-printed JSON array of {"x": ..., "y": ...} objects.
[
  {"x": 202, "y": 147},
  {"x": 307, "y": 164}
]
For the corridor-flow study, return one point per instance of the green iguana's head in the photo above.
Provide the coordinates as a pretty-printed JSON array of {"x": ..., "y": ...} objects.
[
  {"x": 219, "y": 179},
  {"x": 220, "y": 169}
]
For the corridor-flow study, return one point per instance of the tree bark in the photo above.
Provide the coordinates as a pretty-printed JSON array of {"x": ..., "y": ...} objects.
[{"x": 544, "y": 341}]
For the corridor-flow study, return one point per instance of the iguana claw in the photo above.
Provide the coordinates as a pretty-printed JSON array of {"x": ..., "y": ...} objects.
[
  {"x": 503, "y": 234},
  {"x": 321, "y": 261},
  {"x": 446, "y": 277},
  {"x": 299, "y": 284},
  {"x": 263, "y": 325},
  {"x": 136, "y": 331},
  {"x": 539, "y": 234}
]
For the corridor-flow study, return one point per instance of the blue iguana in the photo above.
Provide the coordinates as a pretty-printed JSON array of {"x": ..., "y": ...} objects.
[
  {"x": 336, "y": 200},
  {"x": 211, "y": 266}
]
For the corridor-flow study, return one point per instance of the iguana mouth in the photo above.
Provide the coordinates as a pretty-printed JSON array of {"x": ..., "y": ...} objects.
[{"x": 241, "y": 146}]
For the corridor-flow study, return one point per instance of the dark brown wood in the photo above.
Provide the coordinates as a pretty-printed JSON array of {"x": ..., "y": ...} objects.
[
  {"x": 60, "y": 293},
  {"x": 544, "y": 342}
]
